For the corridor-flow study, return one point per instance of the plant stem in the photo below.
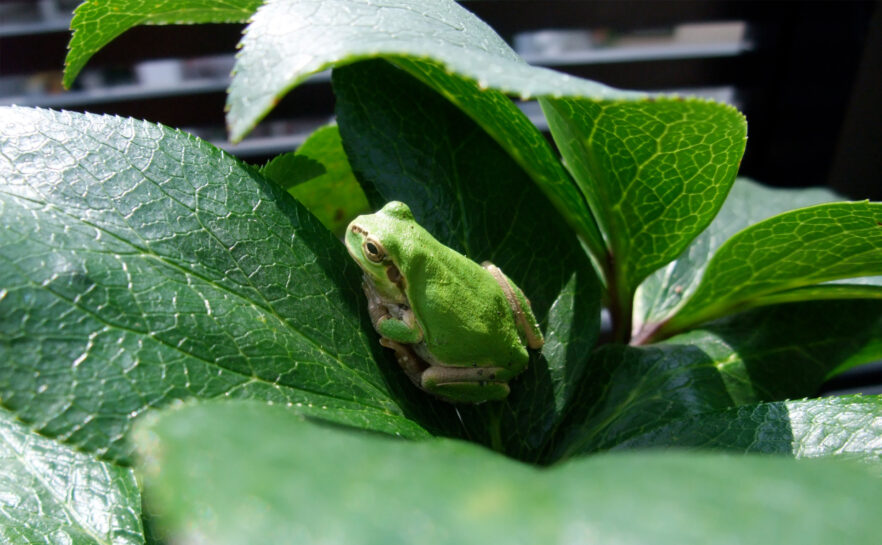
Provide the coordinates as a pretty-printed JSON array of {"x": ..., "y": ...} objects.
[
  {"x": 496, "y": 427},
  {"x": 621, "y": 303}
]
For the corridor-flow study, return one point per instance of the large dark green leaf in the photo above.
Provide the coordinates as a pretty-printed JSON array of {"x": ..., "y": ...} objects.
[
  {"x": 848, "y": 426},
  {"x": 787, "y": 351},
  {"x": 53, "y": 494},
  {"x": 407, "y": 143},
  {"x": 140, "y": 265},
  {"x": 437, "y": 41},
  {"x": 627, "y": 391},
  {"x": 767, "y": 354},
  {"x": 226, "y": 473},
  {"x": 97, "y": 22}
]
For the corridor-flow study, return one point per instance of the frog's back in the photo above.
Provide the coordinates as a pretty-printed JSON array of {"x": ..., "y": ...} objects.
[{"x": 465, "y": 315}]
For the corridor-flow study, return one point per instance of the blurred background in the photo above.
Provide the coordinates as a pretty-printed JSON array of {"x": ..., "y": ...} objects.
[{"x": 808, "y": 76}]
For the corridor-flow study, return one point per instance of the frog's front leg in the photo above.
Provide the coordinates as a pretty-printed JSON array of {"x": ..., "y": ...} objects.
[
  {"x": 376, "y": 308},
  {"x": 403, "y": 330},
  {"x": 466, "y": 384},
  {"x": 393, "y": 321}
]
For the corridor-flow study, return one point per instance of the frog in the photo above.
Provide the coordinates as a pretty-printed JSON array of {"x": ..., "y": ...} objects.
[{"x": 459, "y": 330}]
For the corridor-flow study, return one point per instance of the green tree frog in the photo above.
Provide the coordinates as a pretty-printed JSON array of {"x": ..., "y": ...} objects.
[{"x": 459, "y": 330}]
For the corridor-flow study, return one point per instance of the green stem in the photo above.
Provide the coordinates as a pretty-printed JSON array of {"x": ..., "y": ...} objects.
[
  {"x": 621, "y": 304},
  {"x": 496, "y": 426}
]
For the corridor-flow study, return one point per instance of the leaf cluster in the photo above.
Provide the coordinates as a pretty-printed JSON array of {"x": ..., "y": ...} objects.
[{"x": 170, "y": 312}]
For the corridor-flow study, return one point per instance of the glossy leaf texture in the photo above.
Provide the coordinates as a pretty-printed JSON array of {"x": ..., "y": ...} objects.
[
  {"x": 319, "y": 176},
  {"x": 655, "y": 173},
  {"x": 140, "y": 265},
  {"x": 770, "y": 261},
  {"x": 226, "y": 473},
  {"x": 405, "y": 142},
  {"x": 767, "y": 354},
  {"x": 98, "y": 22},
  {"x": 748, "y": 203},
  {"x": 53, "y": 494},
  {"x": 849, "y": 427}
]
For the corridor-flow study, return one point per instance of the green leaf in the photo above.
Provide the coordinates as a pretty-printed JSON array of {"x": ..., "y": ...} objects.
[
  {"x": 53, "y": 494},
  {"x": 319, "y": 176},
  {"x": 788, "y": 351},
  {"x": 795, "y": 249},
  {"x": 767, "y": 354},
  {"x": 849, "y": 426},
  {"x": 225, "y": 473},
  {"x": 506, "y": 123},
  {"x": 97, "y": 22},
  {"x": 748, "y": 202},
  {"x": 468, "y": 192},
  {"x": 141, "y": 265},
  {"x": 825, "y": 291},
  {"x": 288, "y": 40},
  {"x": 627, "y": 391},
  {"x": 655, "y": 173},
  {"x": 290, "y": 170}
]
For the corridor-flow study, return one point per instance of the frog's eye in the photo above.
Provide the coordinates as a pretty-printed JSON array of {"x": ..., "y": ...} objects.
[{"x": 373, "y": 250}]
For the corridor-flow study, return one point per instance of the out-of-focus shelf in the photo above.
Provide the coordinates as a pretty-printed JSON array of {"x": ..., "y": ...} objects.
[
  {"x": 264, "y": 145},
  {"x": 603, "y": 55},
  {"x": 116, "y": 93},
  {"x": 8, "y": 30},
  {"x": 572, "y": 58}
]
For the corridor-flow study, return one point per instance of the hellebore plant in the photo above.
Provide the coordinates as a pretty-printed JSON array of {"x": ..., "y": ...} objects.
[{"x": 175, "y": 326}]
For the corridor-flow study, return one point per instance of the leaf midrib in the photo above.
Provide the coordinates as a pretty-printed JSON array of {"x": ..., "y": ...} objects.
[{"x": 147, "y": 253}]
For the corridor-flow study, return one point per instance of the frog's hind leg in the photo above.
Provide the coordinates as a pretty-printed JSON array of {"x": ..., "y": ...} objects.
[
  {"x": 466, "y": 384},
  {"x": 520, "y": 307},
  {"x": 412, "y": 364}
]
